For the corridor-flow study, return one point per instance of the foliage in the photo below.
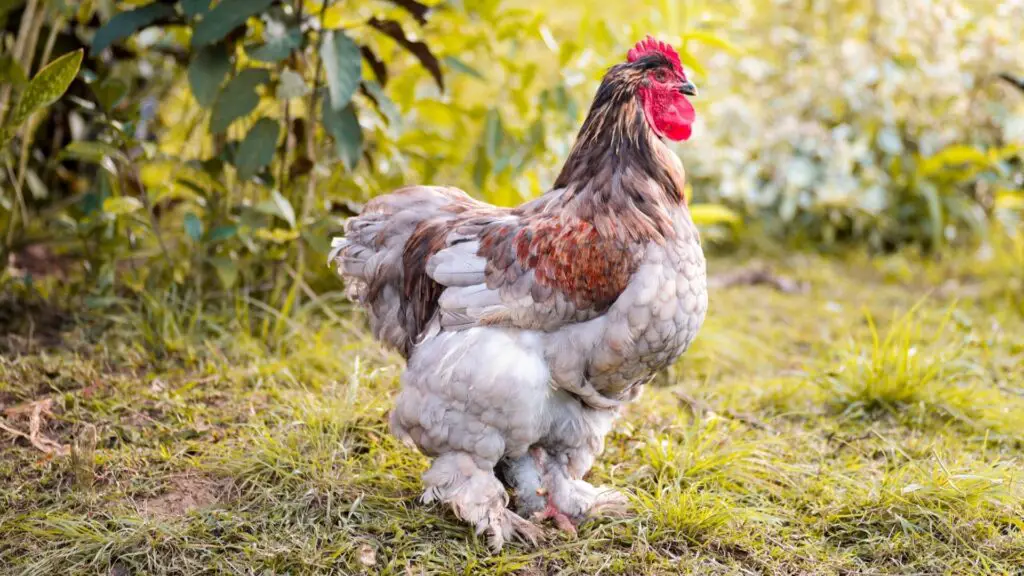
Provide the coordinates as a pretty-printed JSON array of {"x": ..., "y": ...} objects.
[
  {"x": 231, "y": 176},
  {"x": 43, "y": 90},
  {"x": 155, "y": 209},
  {"x": 877, "y": 122}
]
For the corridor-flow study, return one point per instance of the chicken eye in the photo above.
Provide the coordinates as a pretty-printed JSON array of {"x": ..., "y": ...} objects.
[{"x": 660, "y": 75}]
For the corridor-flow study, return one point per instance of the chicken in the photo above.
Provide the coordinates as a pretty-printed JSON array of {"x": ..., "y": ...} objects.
[{"x": 527, "y": 329}]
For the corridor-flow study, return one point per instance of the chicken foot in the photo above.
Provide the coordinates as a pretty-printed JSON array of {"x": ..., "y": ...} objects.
[
  {"x": 478, "y": 497},
  {"x": 545, "y": 490}
]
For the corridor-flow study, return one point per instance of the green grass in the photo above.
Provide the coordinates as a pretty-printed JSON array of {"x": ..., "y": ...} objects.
[{"x": 872, "y": 425}]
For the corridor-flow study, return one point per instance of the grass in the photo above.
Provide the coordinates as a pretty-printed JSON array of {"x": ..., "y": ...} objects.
[{"x": 872, "y": 425}]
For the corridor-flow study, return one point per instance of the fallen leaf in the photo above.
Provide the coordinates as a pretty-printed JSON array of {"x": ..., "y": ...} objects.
[
  {"x": 36, "y": 410},
  {"x": 367, "y": 555}
]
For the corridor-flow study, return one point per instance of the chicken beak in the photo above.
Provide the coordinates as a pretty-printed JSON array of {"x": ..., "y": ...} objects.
[{"x": 687, "y": 88}]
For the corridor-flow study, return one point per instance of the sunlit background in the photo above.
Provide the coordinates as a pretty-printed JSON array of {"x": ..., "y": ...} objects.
[{"x": 829, "y": 123}]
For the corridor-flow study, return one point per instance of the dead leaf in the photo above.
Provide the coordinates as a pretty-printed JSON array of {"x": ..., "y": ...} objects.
[
  {"x": 38, "y": 261},
  {"x": 417, "y": 48},
  {"x": 35, "y": 424},
  {"x": 36, "y": 410},
  {"x": 13, "y": 431},
  {"x": 380, "y": 69},
  {"x": 366, "y": 555}
]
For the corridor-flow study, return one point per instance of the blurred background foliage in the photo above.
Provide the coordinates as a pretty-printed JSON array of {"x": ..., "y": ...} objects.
[{"x": 205, "y": 151}]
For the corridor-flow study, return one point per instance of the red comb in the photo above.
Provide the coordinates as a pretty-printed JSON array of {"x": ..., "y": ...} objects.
[{"x": 648, "y": 45}]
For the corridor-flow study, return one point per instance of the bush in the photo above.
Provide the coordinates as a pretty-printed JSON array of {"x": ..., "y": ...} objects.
[{"x": 867, "y": 121}]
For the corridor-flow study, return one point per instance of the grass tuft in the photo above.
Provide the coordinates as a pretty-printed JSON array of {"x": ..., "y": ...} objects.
[{"x": 902, "y": 368}]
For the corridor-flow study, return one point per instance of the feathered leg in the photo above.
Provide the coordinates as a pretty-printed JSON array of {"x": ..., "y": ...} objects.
[
  {"x": 569, "y": 498},
  {"x": 478, "y": 497},
  {"x": 523, "y": 476}
]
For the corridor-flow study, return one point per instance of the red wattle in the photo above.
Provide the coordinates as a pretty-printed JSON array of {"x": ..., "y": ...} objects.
[{"x": 669, "y": 113}]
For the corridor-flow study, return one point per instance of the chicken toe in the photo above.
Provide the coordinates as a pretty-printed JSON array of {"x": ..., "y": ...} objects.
[
  {"x": 477, "y": 497},
  {"x": 608, "y": 503}
]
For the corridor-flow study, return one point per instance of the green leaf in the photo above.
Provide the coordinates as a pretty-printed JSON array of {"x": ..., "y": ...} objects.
[
  {"x": 481, "y": 167},
  {"x": 121, "y": 205},
  {"x": 278, "y": 206},
  {"x": 535, "y": 136},
  {"x": 11, "y": 72},
  {"x": 276, "y": 48},
  {"x": 110, "y": 92},
  {"x": 221, "y": 233},
  {"x": 291, "y": 85},
  {"x": 92, "y": 152},
  {"x": 238, "y": 98},
  {"x": 689, "y": 61},
  {"x": 193, "y": 227},
  {"x": 46, "y": 88},
  {"x": 129, "y": 22},
  {"x": 195, "y": 7},
  {"x": 415, "y": 47},
  {"x": 343, "y": 126},
  {"x": 935, "y": 215},
  {"x": 227, "y": 152},
  {"x": 185, "y": 174},
  {"x": 385, "y": 105},
  {"x": 953, "y": 156},
  {"x": 35, "y": 185},
  {"x": 709, "y": 39},
  {"x": 207, "y": 72},
  {"x": 316, "y": 238},
  {"x": 461, "y": 67},
  {"x": 1009, "y": 200},
  {"x": 493, "y": 133},
  {"x": 713, "y": 215},
  {"x": 343, "y": 64},
  {"x": 277, "y": 235},
  {"x": 226, "y": 270},
  {"x": 257, "y": 150},
  {"x": 225, "y": 17}
]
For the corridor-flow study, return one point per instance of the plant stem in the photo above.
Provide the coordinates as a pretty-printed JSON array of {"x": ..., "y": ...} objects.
[
  {"x": 310, "y": 112},
  {"x": 29, "y": 50},
  {"x": 18, "y": 212},
  {"x": 27, "y": 18},
  {"x": 311, "y": 183},
  {"x": 153, "y": 222},
  {"x": 51, "y": 40},
  {"x": 282, "y": 177},
  {"x": 28, "y": 129}
]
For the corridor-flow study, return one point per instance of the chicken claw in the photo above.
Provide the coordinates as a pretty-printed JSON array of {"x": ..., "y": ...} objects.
[
  {"x": 609, "y": 503},
  {"x": 561, "y": 521}
]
